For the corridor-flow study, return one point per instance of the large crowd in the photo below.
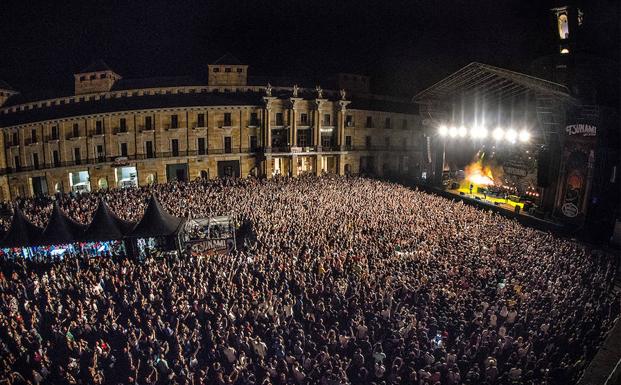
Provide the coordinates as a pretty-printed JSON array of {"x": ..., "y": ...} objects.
[{"x": 347, "y": 281}]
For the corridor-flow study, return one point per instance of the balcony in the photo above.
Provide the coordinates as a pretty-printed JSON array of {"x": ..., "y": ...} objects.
[
  {"x": 170, "y": 127},
  {"x": 196, "y": 126},
  {"x": 120, "y": 131},
  {"x": 225, "y": 124}
]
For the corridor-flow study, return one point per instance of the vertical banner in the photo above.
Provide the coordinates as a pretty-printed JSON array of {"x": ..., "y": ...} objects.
[{"x": 577, "y": 165}]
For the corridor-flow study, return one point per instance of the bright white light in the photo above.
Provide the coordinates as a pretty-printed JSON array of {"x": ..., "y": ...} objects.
[
  {"x": 498, "y": 133},
  {"x": 478, "y": 132},
  {"x": 463, "y": 131},
  {"x": 443, "y": 130},
  {"x": 453, "y": 131},
  {"x": 524, "y": 136},
  {"x": 511, "y": 135}
]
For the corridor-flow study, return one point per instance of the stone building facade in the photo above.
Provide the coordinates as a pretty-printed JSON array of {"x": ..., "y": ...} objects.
[{"x": 115, "y": 132}]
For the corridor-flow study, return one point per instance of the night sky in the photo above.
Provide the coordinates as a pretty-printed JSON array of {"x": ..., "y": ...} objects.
[{"x": 403, "y": 45}]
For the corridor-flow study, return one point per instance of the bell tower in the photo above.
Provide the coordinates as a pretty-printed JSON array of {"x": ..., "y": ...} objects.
[
  {"x": 566, "y": 23},
  {"x": 568, "y": 20}
]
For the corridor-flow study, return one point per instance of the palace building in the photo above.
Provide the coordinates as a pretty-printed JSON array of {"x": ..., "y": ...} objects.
[{"x": 117, "y": 132}]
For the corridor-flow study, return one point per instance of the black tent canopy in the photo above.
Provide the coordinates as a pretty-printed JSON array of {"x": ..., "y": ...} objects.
[
  {"x": 106, "y": 225},
  {"x": 22, "y": 232},
  {"x": 156, "y": 222},
  {"x": 61, "y": 229}
]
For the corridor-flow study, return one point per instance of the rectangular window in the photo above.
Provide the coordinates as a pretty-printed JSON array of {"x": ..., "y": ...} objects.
[
  {"x": 216, "y": 69},
  {"x": 369, "y": 123},
  {"x": 326, "y": 141},
  {"x": 304, "y": 119},
  {"x": 279, "y": 119},
  {"x": 174, "y": 147},
  {"x": 227, "y": 119},
  {"x": 303, "y": 138},
  {"x": 174, "y": 121},
  {"x": 54, "y": 132},
  {"x": 404, "y": 124},
  {"x": 200, "y": 120},
  {"x": 253, "y": 143},
  {"x": 33, "y": 135},
  {"x": 254, "y": 119},
  {"x": 202, "y": 149},
  {"x": 123, "y": 149},
  {"x": 326, "y": 119},
  {"x": 15, "y": 139},
  {"x": 387, "y": 124},
  {"x": 148, "y": 123},
  {"x": 35, "y": 160},
  {"x": 16, "y": 163},
  {"x": 149, "y": 149},
  {"x": 348, "y": 141},
  {"x": 367, "y": 141},
  {"x": 123, "y": 125},
  {"x": 76, "y": 155},
  {"x": 55, "y": 158},
  {"x": 99, "y": 153},
  {"x": 227, "y": 70},
  {"x": 349, "y": 121},
  {"x": 76, "y": 130},
  {"x": 227, "y": 145},
  {"x": 98, "y": 127}
]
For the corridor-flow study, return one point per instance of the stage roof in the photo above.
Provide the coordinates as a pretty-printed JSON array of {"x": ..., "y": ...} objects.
[{"x": 491, "y": 83}]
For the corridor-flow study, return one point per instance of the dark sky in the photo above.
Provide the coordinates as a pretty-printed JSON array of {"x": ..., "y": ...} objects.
[{"x": 404, "y": 45}]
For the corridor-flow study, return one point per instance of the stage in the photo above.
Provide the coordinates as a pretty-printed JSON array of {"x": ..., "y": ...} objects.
[{"x": 505, "y": 203}]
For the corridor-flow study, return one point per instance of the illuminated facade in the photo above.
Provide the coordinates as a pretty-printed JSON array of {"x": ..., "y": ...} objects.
[{"x": 116, "y": 132}]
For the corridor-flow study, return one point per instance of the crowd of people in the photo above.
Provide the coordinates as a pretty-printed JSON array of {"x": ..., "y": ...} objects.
[{"x": 347, "y": 281}]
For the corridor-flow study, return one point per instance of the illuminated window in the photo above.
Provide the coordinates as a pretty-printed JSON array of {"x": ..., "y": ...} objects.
[
  {"x": 564, "y": 51},
  {"x": 563, "y": 26}
]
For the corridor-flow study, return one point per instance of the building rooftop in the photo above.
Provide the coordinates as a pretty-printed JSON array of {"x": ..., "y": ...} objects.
[
  {"x": 5, "y": 86},
  {"x": 96, "y": 66},
  {"x": 131, "y": 103},
  {"x": 157, "y": 82},
  {"x": 228, "y": 58}
]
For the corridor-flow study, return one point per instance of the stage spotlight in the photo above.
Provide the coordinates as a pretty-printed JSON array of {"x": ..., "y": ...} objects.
[
  {"x": 443, "y": 130},
  {"x": 498, "y": 133},
  {"x": 524, "y": 136},
  {"x": 511, "y": 135},
  {"x": 478, "y": 132},
  {"x": 453, "y": 131},
  {"x": 463, "y": 131}
]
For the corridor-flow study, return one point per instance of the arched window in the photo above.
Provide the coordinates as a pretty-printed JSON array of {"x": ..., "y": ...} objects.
[
  {"x": 150, "y": 179},
  {"x": 102, "y": 183}
]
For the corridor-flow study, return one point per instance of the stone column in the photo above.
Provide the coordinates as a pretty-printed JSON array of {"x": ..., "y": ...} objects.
[
  {"x": 318, "y": 165},
  {"x": 293, "y": 134},
  {"x": 294, "y": 165},
  {"x": 340, "y": 124},
  {"x": 267, "y": 126},
  {"x": 319, "y": 105}
]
